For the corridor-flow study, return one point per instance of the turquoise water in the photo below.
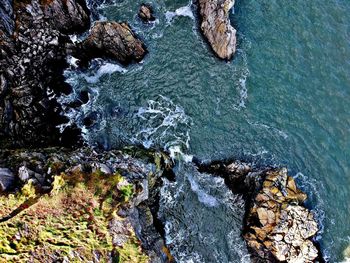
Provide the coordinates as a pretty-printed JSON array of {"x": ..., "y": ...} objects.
[{"x": 283, "y": 100}]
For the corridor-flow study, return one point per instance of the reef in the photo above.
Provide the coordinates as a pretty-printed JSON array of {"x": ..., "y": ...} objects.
[{"x": 216, "y": 27}]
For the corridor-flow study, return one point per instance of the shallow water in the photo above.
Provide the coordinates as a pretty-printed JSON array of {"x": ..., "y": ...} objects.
[{"x": 283, "y": 100}]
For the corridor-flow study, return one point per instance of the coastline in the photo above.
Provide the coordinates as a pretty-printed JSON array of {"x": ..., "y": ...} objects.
[{"x": 52, "y": 137}]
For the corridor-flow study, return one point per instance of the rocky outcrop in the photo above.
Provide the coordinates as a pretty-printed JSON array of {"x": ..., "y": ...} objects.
[
  {"x": 146, "y": 13},
  {"x": 6, "y": 17},
  {"x": 278, "y": 228},
  {"x": 111, "y": 40},
  {"x": 34, "y": 44},
  {"x": 216, "y": 27},
  {"x": 7, "y": 179},
  {"x": 32, "y": 61}
]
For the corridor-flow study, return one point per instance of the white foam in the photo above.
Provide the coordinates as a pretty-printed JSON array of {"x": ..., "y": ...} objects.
[
  {"x": 176, "y": 153},
  {"x": 185, "y": 11},
  {"x": 106, "y": 68},
  {"x": 72, "y": 61},
  {"x": 203, "y": 197},
  {"x": 73, "y": 38},
  {"x": 163, "y": 123}
]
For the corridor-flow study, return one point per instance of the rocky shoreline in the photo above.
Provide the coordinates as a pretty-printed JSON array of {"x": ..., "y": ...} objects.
[
  {"x": 33, "y": 57},
  {"x": 55, "y": 198}
]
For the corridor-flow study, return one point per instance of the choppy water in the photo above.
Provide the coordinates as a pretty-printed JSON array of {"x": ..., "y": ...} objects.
[{"x": 283, "y": 100}]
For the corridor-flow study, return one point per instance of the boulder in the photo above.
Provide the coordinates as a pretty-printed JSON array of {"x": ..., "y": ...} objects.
[
  {"x": 111, "y": 40},
  {"x": 216, "y": 27},
  {"x": 146, "y": 13},
  {"x": 7, "y": 179}
]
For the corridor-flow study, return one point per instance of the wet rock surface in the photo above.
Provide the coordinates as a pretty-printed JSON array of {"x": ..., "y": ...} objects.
[
  {"x": 216, "y": 27},
  {"x": 146, "y": 13},
  {"x": 111, "y": 40}
]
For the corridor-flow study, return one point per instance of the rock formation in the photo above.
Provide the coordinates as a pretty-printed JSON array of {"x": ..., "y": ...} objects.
[
  {"x": 33, "y": 57},
  {"x": 34, "y": 45},
  {"x": 146, "y": 13},
  {"x": 278, "y": 225},
  {"x": 216, "y": 27},
  {"x": 111, "y": 40}
]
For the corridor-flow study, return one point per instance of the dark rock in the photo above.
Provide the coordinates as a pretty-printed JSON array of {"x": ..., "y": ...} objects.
[
  {"x": 7, "y": 179},
  {"x": 6, "y": 16},
  {"x": 216, "y": 27},
  {"x": 111, "y": 40},
  {"x": 84, "y": 96},
  {"x": 70, "y": 16},
  {"x": 90, "y": 119},
  {"x": 32, "y": 65},
  {"x": 146, "y": 13}
]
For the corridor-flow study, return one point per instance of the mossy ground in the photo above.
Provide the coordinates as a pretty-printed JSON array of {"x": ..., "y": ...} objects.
[{"x": 71, "y": 222}]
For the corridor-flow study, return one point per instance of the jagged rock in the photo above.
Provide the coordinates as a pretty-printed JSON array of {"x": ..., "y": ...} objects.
[
  {"x": 6, "y": 16},
  {"x": 7, "y": 179},
  {"x": 68, "y": 16},
  {"x": 278, "y": 227},
  {"x": 146, "y": 13},
  {"x": 216, "y": 27},
  {"x": 32, "y": 62},
  {"x": 111, "y": 40}
]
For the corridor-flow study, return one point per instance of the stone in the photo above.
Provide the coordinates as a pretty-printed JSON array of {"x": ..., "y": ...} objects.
[
  {"x": 146, "y": 13},
  {"x": 111, "y": 40},
  {"x": 284, "y": 228},
  {"x": 7, "y": 179},
  {"x": 216, "y": 27},
  {"x": 25, "y": 174},
  {"x": 101, "y": 167}
]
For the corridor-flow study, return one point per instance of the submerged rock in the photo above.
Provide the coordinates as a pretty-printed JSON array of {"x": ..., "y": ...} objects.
[
  {"x": 146, "y": 13},
  {"x": 216, "y": 27},
  {"x": 111, "y": 40},
  {"x": 278, "y": 226}
]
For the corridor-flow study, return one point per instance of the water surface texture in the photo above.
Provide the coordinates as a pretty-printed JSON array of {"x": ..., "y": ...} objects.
[{"x": 283, "y": 100}]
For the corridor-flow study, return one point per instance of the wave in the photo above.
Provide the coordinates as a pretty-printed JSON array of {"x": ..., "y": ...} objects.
[
  {"x": 194, "y": 208},
  {"x": 162, "y": 122},
  {"x": 185, "y": 11}
]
